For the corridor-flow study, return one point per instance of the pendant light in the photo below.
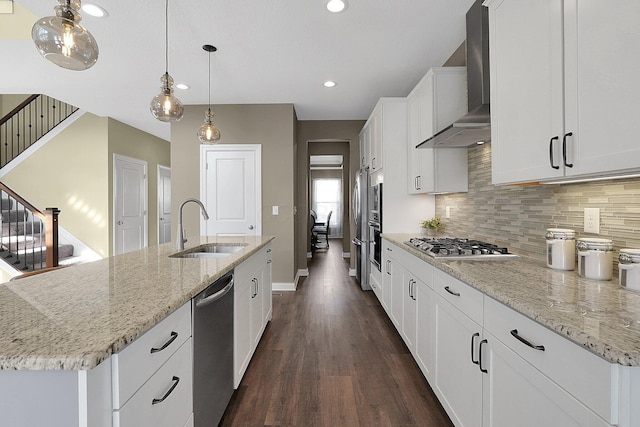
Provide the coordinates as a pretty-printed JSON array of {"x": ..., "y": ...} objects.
[
  {"x": 208, "y": 133},
  {"x": 62, "y": 40},
  {"x": 165, "y": 106}
]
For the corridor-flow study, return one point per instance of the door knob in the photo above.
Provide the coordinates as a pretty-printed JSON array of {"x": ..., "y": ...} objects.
[
  {"x": 120, "y": 223},
  {"x": 251, "y": 227}
]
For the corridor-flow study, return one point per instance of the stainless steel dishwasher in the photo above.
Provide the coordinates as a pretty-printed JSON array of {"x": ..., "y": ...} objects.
[{"x": 212, "y": 351}]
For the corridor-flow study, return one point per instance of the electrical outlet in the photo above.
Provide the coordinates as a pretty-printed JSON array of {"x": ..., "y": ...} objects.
[
  {"x": 274, "y": 210},
  {"x": 592, "y": 220},
  {"x": 447, "y": 211}
]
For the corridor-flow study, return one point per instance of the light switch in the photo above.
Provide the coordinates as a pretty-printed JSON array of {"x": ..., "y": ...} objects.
[{"x": 274, "y": 210}]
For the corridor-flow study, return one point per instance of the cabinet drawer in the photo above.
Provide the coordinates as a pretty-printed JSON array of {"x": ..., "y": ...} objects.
[
  {"x": 243, "y": 273},
  {"x": 136, "y": 363},
  {"x": 172, "y": 385},
  {"x": 589, "y": 378},
  {"x": 460, "y": 295}
]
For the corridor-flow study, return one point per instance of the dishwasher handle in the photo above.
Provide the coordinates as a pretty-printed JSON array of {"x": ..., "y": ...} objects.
[{"x": 215, "y": 297}]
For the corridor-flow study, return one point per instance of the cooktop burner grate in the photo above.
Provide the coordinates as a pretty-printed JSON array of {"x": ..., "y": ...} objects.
[{"x": 458, "y": 248}]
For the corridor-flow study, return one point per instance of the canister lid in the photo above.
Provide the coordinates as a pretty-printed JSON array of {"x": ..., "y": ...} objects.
[
  {"x": 560, "y": 234},
  {"x": 590, "y": 243},
  {"x": 629, "y": 256}
]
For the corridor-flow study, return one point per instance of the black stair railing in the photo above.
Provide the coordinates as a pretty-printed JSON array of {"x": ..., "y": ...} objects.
[
  {"x": 28, "y": 122},
  {"x": 29, "y": 238}
]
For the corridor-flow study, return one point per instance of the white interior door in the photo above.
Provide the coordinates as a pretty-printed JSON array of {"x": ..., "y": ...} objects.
[
  {"x": 231, "y": 189},
  {"x": 130, "y": 204},
  {"x": 164, "y": 204}
]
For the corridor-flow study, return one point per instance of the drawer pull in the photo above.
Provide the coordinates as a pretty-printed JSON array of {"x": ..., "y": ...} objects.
[
  {"x": 455, "y": 294},
  {"x": 175, "y": 380},
  {"x": 473, "y": 338},
  {"x": 174, "y": 335},
  {"x": 514, "y": 332},
  {"x": 480, "y": 357}
]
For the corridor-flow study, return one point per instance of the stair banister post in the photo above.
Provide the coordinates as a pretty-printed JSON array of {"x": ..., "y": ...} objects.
[{"x": 51, "y": 237}]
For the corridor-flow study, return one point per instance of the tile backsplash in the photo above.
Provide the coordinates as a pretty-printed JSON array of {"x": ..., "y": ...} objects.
[{"x": 518, "y": 216}]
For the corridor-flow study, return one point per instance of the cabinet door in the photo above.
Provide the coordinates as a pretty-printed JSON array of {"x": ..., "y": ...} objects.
[
  {"x": 375, "y": 146},
  {"x": 241, "y": 330},
  {"x": 602, "y": 85},
  {"x": 386, "y": 283},
  {"x": 526, "y": 90},
  {"x": 458, "y": 380},
  {"x": 267, "y": 292},
  {"x": 409, "y": 310},
  {"x": 517, "y": 394},
  {"x": 416, "y": 109},
  {"x": 398, "y": 292},
  {"x": 256, "y": 310},
  {"x": 364, "y": 146},
  {"x": 424, "y": 329}
]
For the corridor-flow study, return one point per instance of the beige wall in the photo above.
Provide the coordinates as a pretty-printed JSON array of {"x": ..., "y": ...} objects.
[
  {"x": 9, "y": 102},
  {"x": 71, "y": 173},
  {"x": 272, "y": 126},
  {"x": 318, "y": 130},
  {"x": 131, "y": 142},
  {"x": 74, "y": 172}
]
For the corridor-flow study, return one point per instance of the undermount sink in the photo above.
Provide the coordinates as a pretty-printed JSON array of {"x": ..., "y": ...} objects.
[{"x": 214, "y": 250}]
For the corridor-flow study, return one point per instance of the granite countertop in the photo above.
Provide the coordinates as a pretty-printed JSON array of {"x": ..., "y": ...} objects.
[
  {"x": 76, "y": 317},
  {"x": 598, "y": 315}
]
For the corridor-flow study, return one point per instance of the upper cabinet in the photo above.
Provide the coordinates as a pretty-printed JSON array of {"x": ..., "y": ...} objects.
[
  {"x": 437, "y": 101},
  {"x": 563, "y": 88},
  {"x": 371, "y": 138}
]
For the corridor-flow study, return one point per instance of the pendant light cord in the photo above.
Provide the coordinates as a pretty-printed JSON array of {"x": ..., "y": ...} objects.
[
  {"x": 166, "y": 36},
  {"x": 209, "y": 81}
]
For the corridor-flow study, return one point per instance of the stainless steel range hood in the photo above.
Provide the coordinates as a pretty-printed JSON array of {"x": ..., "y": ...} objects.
[{"x": 475, "y": 126}]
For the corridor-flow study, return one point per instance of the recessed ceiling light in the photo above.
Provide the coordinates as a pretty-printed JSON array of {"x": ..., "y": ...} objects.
[
  {"x": 329, "y": 83},
  {"x": 336, "y": 5},
  {"x": 94, "y": 10},
  {"x": 182, "y": 86}
]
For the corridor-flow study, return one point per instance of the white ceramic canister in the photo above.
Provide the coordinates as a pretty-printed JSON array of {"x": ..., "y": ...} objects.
[
  {"x": 629, "y": 269},
  {"x": 561, "y": 248},
  {"x": 595, "y": 258}
]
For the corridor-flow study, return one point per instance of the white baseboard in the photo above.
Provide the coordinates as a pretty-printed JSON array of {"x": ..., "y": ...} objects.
[
  {"x": 282, "y": 286},
  {"x": 352, "y": 272},
  {"x": 346, "y": 254}
]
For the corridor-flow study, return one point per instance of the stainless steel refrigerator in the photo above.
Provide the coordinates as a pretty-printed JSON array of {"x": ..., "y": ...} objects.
[{"x": 360, "y": 211}]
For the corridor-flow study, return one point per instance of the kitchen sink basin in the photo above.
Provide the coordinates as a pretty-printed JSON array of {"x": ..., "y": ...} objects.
[{"x": 215, "y": 250}]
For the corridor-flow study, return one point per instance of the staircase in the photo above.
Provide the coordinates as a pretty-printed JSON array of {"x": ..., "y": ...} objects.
[
  {"x": 23, "y": 244},
  {"x": 29, "y": 239}
]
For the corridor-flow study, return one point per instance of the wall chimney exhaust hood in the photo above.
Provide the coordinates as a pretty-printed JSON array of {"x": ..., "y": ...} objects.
[{"x": 475, "y": 126}]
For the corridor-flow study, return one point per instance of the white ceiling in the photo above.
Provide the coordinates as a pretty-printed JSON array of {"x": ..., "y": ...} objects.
[{"x": 269, "y": 51}]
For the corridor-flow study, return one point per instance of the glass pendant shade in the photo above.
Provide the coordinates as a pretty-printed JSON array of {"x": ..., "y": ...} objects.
[
  {"x": 62, "y": 40},
  {"x": 165, "y": 106},
  {"x": 208, "y": 133}
]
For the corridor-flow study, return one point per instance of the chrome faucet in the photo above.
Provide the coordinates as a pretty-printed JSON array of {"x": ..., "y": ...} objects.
[{"x": 182, "y": 238}]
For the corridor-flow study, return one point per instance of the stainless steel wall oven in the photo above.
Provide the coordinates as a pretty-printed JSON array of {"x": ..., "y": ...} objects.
[{"x": 375, "y": 225}]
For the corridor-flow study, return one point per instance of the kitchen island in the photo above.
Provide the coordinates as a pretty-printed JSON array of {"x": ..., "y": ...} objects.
[
  {"x": 511, "y": 342},
  {"x": 64, "y": 326}
]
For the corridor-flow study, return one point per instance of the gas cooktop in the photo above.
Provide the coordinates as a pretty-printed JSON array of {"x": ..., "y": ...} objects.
[{"x": 457, "y": 248}]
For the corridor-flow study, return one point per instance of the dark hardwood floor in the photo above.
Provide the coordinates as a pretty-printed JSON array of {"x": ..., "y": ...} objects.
[{"x": 331, "y": 357}]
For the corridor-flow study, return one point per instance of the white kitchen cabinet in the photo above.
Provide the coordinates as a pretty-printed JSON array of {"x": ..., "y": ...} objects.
[
  {"x": 365, "y": 135},
  {"x": 165, "y": 399},
  {"x": 437, "y": 101},
  {"x": 376, "y": 138},
  {"x": 515, "y": 393},
  {"x": 563, "y": 89},
  {"x": 425, "y": 321},
  {"x": 457, "y": 376},
  {"x": 252, "y": 308},
  {"x": 572, "y": 370},
  {"x": 378, "y": 289}
]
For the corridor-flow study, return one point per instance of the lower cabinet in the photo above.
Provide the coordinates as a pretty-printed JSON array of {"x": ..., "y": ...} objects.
[
  {"x": 252, "y": 308},
  {"x": 518, "y": 394},
  {"x": 458, "y": 378},
  {"x": 492, "y": 367}
]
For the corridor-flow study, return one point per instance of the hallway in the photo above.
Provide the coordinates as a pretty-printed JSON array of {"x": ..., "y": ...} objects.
[{"x": 331, "y": 357}]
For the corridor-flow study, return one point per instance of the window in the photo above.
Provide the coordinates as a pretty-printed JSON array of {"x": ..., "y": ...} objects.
[{"x": 327, "y": 197}]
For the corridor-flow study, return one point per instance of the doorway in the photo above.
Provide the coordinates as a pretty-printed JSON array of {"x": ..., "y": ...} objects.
[
  {"x": 130, "y": 204},
  {"x": 164, "y": 204}
]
